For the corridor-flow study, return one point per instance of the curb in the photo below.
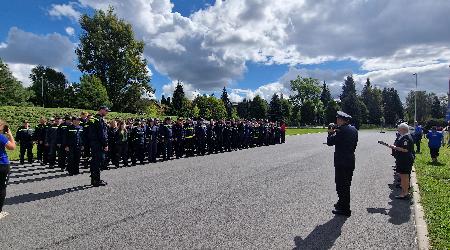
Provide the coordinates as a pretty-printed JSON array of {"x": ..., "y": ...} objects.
[{"x": 419, "y": 216}]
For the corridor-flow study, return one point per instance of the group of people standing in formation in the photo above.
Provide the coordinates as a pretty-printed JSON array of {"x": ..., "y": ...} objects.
[{"x": 64, "y": 142}]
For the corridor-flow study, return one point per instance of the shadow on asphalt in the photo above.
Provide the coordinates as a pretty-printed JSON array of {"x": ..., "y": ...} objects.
[
  {"x": 400, "y": 211},
  {"x": 323, "y": 236},
  {"x": 24, "y": 198}
]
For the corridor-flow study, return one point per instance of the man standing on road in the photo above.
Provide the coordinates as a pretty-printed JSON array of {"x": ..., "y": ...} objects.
[
  {"x": 345, "y": 139},
  {"x": 98, "y": 135}
]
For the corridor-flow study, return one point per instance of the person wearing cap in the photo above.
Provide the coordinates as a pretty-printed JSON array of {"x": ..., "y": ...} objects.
[
  {"x": 152, "y": 135},
  {"x": 98, "y": 136},
  {"x": 189, "y": 138},
  {"x": 73, "y": 145},
  {"x": 39, "y": 137},
  {"x": 200, "y": 135},
  {"x": 50, "y": 141},
  {"x": 138, "y": 143},
  {"x": 24, "y": 137},
  {"x": 60, "y": 134},
  {"x": 418, "y": 134},
  {"x": 345, "y": 139},
  {"x": 85, "y": 119}
]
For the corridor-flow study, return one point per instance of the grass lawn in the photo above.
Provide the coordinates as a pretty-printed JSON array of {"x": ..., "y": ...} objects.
[
  {"x": 301, "y": 131},
  {"x": 434, "y": 185}
]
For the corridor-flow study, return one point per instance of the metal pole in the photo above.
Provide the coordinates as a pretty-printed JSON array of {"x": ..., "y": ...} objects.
[{"x": 415, "y": 100}]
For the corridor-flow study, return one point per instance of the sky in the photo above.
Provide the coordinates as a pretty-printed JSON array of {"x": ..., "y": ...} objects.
[{"x": 252, "y": 47}]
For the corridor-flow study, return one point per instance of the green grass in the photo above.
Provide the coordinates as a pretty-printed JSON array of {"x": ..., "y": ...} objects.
[
  {"x": 301, "y": 131},
  {"x": 434, "y": 185}
]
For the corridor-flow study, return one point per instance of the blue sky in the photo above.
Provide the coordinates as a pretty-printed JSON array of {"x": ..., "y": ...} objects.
[{"x": 252, "y": 47}]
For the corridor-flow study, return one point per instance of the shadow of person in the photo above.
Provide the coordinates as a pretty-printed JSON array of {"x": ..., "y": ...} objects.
[
  {"x": 323, "y": 236},
  {"x": 24, "y": 198},
  {"x": 400, "y": 211}
]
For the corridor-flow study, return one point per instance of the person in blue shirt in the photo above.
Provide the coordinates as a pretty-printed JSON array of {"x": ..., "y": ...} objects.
[
  {"x": 434, "y": 143},
  {"x": 6, "y": 142},
  {"x": 418, "y": 134}
]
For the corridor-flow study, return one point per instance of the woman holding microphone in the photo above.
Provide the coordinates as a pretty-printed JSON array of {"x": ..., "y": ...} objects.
[{"x": 6, "y": 142}]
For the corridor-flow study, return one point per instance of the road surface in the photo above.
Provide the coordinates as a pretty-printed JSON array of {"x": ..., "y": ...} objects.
[{"x": 276, "y": 197}]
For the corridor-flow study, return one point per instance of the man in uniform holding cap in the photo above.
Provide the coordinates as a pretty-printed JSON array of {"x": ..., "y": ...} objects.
[
  {"x": 345, "y": 138},
  {"x": 98, "y": 135}
]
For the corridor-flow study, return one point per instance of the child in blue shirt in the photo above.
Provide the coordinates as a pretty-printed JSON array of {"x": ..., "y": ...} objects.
[{"x": 6, "y": 142}]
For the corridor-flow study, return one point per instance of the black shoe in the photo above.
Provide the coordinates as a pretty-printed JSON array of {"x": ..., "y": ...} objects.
[
  {"x": 347, "y": 213},
  {"x": 406, "y": 197},
  {"x": 99, "y": 183}
]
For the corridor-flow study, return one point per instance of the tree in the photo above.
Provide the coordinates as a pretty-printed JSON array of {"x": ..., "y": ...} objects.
[
  {"x": 258, "y": 108},
  {"x": 424, "y": 102},
  {"x": 392, "y": 106},
  {"x": 177, "y": 99},
  {"x": 436, "y": 111},
  {"x": 325, "y": 96},
  {"x": 286, "y": 108},
  {"x": 275, "y": 108},
  {"x": 163, "y": 100},
  {"x": 11, "y": 90},
  {"x": 372, "y": 99},
  {"x": 92, "y": 93},
  {"x": 330, "y": 112},
  {"x": 243, "y": 109},
  {"x": 56, "y": 88},
  {"x": 308, "y": 111},
  {"x": 305, "y": 89},
  {"x": 226, "y": 101},
  {"x": 350, "y": 102},
  {"x": 108, "y": 50}
]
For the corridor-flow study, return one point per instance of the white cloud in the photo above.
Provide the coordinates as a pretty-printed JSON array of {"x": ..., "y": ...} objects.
[
  {"x": 70, "y": 31},
  {"x": 64, "y": 10},
  {"x": 211, "y": 47},
  {"x": 54, "y": 50},
  {"x": 21, "y": 72},
  {"x": 189, "y": 90}
]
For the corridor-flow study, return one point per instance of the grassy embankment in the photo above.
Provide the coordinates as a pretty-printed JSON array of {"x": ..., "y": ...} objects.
[{"x": 434, "y": 185}]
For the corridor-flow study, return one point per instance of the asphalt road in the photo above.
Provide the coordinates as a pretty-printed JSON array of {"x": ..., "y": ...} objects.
[{"x": 276, "y": 197}]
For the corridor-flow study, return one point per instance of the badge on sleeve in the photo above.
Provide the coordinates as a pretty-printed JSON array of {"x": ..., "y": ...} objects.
[{"x": 405, "y": 143}]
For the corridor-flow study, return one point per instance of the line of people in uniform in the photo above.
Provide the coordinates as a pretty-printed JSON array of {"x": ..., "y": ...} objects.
[{"x": 64, "y": 142}]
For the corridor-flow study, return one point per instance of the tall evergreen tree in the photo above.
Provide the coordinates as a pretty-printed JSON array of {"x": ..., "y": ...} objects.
[
  {"x": 350, "y": 102},
  {"x": 163, "y": 100},
  {"x": 436, "y": 111},
  {"x": 275, "y": 108},
  {"x": 392, "y": 106},
  {"x": 373, "y": 101},
  {"x": 177, "y": 99},
  {"x": 226, "y": 101},
  {"x": 325, "y": 96},
  {"x": 108, "y": 50},
  {"x": 243, "y": 109}
]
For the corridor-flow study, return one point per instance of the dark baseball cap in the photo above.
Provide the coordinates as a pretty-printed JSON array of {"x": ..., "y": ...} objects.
[{"x": 104, "y": 107}]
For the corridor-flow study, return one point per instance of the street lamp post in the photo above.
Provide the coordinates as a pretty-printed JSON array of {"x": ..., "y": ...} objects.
[
  {"x": 42, "y": 89},
  {"x": 415, "y": 100}
]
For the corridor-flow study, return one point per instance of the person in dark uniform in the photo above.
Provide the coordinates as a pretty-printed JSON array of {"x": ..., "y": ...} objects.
[
  {"x": 39, "y": 138},
  {"x": 178, "y": 137},
  {"x": 166, "y": 139},
  {"x": 98, "y": 135},
  {"x": 112, "y": 140},
  {"x": 227, "y": 136},
  {"x": 153, "y": 136},
  {"x": 211, "y": 137},
  {"x": 189, "y": 138},
  {"x": 200, "y": 135},
  {"x": 73, "y": 144},
  {"x": 403, "y": 151},
  {"x": 219, "y": 136},
  {"x": 50, "y": 141},
  {"x": 85, "y": 121},
  {"x": 345, "y": 139},
  {"x": 138, "y": 138},
  {"x": 418, "y": 135},
  {"x": 24, "y": 136},
  {"x": 60, "y": 133}
]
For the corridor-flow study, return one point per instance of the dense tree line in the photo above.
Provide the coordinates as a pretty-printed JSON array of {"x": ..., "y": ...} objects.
[{"x": 115, "y": 74}]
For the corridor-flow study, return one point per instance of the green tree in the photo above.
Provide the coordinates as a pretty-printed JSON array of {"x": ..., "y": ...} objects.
[
  {"x": 243, "y": 109},
  {"x": 392, "y": 106},
  {"x": 350, "y": 102},
  {"x": 331, "y": 111},
  {"x": 275, "y": 108},
  {"x": 108, "y": 50},
  {"x": 92, "y": 93},
  {"x": 286, "y": 108},
  {"x": 308, "y": 111},
  {"x": 436, "y": 111},
  {"x": 325, "y": 96},
  {"x": 372, "y": 98},
  {"x": 177, "y": 99},
  {"x": 305, "y": 89},
  {"x": 258, "y": 108},
  {"x": 226, "y": 101},
  {"x": 424, "y": 102},
  {"x": 56, "y": 88},
  {"x": 11, "y": 90}
]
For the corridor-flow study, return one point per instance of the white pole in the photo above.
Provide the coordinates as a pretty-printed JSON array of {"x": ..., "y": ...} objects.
[{"x": 42, "y": 90}]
